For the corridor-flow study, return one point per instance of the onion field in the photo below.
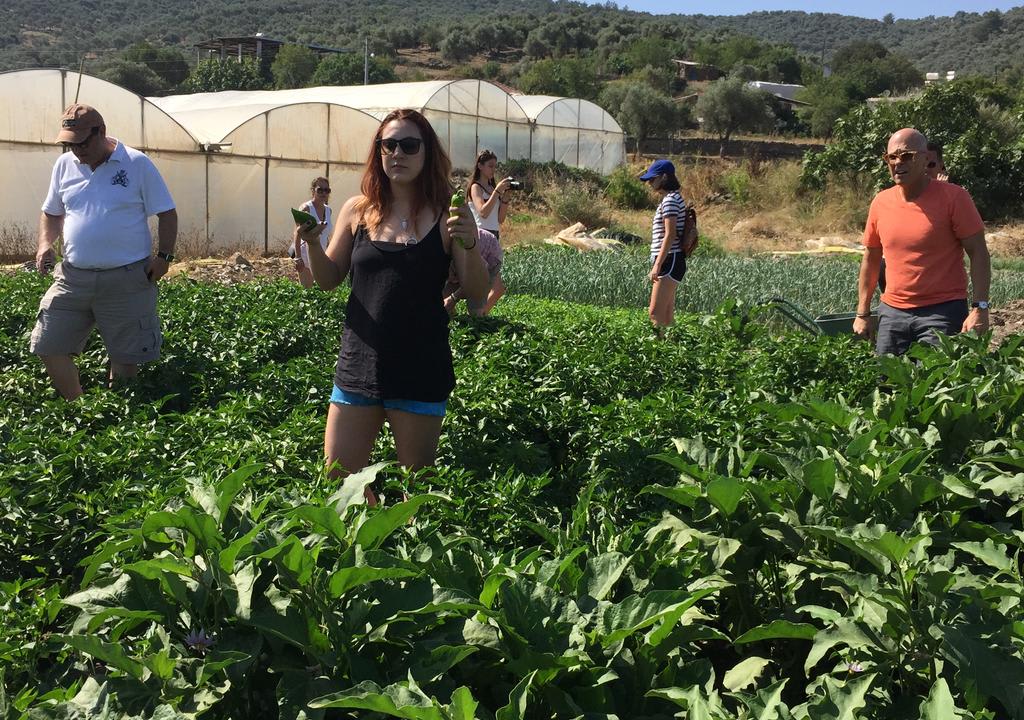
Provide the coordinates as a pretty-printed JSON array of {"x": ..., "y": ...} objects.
[{"x": 619, "y": 279}]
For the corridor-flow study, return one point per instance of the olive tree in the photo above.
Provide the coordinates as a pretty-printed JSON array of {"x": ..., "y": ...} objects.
[
  {"x": 730, "y": 105},
  {"x": 642, "y": 111}
]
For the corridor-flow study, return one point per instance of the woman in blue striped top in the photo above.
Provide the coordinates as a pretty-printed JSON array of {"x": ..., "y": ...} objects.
[{"x": 668, "y": 257}]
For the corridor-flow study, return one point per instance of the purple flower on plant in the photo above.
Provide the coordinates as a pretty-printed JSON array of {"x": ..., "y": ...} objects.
[
  {"x": 854, "y": 667},
  {"x": 199, "y": 641}
]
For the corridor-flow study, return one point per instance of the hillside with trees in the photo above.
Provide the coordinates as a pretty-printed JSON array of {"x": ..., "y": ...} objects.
[{"x": 35, "y": 34}]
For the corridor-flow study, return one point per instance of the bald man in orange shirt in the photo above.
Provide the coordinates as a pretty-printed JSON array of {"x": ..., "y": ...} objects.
[{"x": 923, "y": 226}]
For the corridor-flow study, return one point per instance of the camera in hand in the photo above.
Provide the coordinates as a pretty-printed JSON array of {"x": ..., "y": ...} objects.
[{"x": 515, "y": 185}]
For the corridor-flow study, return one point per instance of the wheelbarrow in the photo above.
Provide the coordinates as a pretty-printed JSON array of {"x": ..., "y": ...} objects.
[{"x": 832, "y": 324}]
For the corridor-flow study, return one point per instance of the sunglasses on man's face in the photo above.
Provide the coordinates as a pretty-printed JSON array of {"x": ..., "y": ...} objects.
[
  {"x": 904, "y": 156},
  {"x": 323, "y": 191},
  {"x": 409, "y": 145},
  {"x": 81, "y": 145}
]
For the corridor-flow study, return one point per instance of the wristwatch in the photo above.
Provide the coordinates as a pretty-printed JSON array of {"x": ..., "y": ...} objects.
[
  {"x": 165, "y": 256},
  {"x": 980, "y": 304}
]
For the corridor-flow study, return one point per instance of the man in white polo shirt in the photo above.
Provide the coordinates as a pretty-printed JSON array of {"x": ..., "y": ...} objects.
[{"x": 101, "y": 195}]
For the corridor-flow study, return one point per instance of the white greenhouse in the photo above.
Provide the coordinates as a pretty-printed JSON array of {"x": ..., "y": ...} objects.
[
  {"x": 573, "y": 131},
  {"x": 236, "y": 161}
]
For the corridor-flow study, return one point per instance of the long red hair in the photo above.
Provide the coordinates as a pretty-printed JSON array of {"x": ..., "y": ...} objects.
[{"x": 433, "y": 184}]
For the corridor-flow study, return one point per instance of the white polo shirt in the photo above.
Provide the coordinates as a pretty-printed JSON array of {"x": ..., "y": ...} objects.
[{"x": 105, "y": 212}]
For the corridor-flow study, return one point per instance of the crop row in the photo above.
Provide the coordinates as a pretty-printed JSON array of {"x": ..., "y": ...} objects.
[
  {"x": 619, "y": 279},
  {"x": 826, "y": 537}
]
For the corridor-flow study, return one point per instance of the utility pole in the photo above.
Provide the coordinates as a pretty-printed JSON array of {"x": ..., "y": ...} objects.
[{"x": 366, "y": 61}]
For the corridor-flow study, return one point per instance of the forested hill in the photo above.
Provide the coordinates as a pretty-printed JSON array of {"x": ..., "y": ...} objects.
[{"x": 39, "y": 33}]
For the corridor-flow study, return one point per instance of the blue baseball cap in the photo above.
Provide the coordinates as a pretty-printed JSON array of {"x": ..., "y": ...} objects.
[{"x": 658, "y": 167}]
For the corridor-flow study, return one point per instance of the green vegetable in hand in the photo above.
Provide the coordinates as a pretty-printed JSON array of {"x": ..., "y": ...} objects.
[{"x": 458, "y": 200}]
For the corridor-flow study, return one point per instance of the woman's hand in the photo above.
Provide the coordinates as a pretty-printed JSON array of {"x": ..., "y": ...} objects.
[
  {"x": 652, "y": 276},
  {"x": 462, "y": 226},
  {"x": 311, "y": 233},
  {"x": 504, "y": 186}
]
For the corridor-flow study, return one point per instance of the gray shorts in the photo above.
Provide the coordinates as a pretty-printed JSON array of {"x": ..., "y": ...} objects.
[
  {"x": 120, "y": 303},
  {"x": 898, "y": 329}
]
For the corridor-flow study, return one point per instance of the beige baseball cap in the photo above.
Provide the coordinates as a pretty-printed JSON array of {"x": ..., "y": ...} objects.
[{"x": 77, "y": 123}]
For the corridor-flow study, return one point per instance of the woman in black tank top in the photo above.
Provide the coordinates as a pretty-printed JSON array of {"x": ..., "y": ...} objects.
[{"x": 397, "y": 240}]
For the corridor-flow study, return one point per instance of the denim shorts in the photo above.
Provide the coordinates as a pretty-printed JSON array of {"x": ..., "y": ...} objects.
[{"x": 416, "y": 407}]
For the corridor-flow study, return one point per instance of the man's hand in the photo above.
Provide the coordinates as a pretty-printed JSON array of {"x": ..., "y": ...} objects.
[
  {"x": 976, "y": 322},
  {"x": 156, "y": 268},
  {"x": 864, "y": 327},
  {"x": 45, "y": 259}
]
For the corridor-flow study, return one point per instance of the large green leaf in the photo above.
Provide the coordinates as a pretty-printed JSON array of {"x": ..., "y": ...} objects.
[
  {"x": 637, "y": 612},
  {"x": 842, "y": 699},
  {"x": 228, "y": 488},
  {"x": 819, "y": 476},
  {"x": 463, "y": 705},
  {"x": 345, "y": 579},
  {"x": 989, "y": 553},
  {"x": 765, "y": 705},
  {"x": 380, "y": 524},
  {"x": 845, "y": 632},
  {"x": 201, "y": 526},
  {"x": 744, "y": 673},
  {"x": 725, "y": 494},
  {"x": 939, "y": 704},
  {"x": 112, "y": 654},
  {"x": 777, "y": 629},
  {"x": 324, "y": 519},
  {"x": 602, "y": 573},
  {"x": 515, "y": 709},
  {"x": 685, "y": 495},
  {"x": 353, "y": 488},
  {"x": 399, "y": 700},
  {"x": 894, "y": 547},
  {"x": 991, "y": 671}
]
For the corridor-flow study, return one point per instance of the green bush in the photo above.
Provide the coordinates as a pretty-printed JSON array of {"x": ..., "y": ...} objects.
[
  {"x": 737, "y": 182},
  {"x": 983, "y": 151},
  {"x": 625, "y": 190},
  {"x": 574, "y": 201}
]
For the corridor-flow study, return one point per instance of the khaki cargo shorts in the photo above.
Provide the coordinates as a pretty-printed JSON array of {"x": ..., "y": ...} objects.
[{"x": 120, "y": 302}]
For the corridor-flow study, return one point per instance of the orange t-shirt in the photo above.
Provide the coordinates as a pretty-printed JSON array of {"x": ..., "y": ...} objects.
[{"x": 920, "y": 240}]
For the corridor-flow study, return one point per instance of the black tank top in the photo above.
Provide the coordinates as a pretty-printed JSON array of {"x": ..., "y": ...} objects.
[{"x": 395, "y": 342}]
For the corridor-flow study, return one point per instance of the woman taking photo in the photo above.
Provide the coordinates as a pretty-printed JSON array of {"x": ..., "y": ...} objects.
[
  {"x": 320, "y": 192},
  {"x": 668, "y": 254},
  {"x": 490, "y": 206},
  {"x": 397, "y": 240}
]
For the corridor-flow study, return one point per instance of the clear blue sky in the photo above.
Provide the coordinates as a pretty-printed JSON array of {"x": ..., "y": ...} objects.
[{"x": 864, "y": 8}]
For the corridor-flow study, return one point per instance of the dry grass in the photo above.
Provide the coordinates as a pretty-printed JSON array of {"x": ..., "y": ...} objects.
[
  {"x": 525, "y": 228},
  {"x": 17, "y": 243}
]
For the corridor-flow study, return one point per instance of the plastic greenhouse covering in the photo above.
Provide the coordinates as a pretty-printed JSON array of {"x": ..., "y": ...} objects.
[{"x": 236, "y": 161}]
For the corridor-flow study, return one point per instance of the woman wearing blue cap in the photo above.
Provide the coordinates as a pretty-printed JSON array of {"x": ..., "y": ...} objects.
[{"x": 668, "y": 256}]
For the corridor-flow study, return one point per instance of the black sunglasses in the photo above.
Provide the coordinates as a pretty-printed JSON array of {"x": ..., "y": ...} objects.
[
  {"x": 81, "y": 145},
  {"x": 323, "y": 190},
  {"x": 409, "y": 145}
]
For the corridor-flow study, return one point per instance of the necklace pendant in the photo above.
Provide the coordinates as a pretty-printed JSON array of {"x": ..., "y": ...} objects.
[{"x": 410, "y": 239}]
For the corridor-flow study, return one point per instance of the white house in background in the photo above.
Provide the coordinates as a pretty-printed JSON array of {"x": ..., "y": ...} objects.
[
  {"x": 934, "y": 77},
  {"x": 779, "y": 90},
  {"x": 784, "y": 92}
]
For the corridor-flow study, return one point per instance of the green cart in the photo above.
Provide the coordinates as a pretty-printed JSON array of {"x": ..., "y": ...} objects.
[{"x": 833, "y": 324}]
